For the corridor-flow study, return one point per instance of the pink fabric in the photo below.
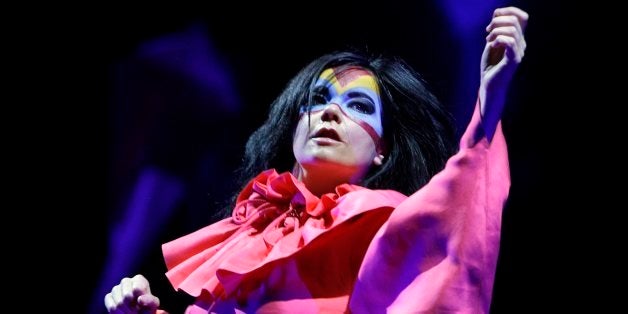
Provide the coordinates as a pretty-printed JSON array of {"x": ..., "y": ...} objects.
[
  {"x": 357, "y": 249},
  {"x": 438, "y": 250}
]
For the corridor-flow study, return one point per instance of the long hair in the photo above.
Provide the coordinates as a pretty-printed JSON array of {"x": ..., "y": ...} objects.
[{"x": 419, "y": 133}]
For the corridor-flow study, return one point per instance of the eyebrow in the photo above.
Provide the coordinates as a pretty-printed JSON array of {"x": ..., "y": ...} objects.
[
  {"x": 322, "y": 89},
  {"x": 360, "y": 94}
]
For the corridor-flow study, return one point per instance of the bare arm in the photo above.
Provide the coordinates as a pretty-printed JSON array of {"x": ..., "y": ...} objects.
[{"x": 504, "y": 50}]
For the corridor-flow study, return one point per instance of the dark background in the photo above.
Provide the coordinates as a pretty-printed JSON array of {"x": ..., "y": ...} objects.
[{"x": 171, "y": 93}]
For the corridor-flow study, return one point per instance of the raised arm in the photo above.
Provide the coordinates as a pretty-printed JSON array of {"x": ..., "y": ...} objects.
[
  {"x": 504, "y": 50},
  {"x": 438, "y": 250}
]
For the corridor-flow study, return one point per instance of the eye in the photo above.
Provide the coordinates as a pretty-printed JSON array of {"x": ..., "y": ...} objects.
[
  {"x": 319, "y": 99},
  {"x": 362, "y": 106}
]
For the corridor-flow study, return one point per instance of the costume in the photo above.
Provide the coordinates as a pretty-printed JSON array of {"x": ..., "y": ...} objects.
[{"x": 355, "y": 250}]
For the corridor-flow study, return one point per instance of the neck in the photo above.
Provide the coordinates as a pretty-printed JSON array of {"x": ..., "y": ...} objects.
[{"x": 320, "y": 179}]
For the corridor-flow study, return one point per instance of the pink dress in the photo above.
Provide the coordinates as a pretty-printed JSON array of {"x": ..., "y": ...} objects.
[{"x": 355, "y": 250}]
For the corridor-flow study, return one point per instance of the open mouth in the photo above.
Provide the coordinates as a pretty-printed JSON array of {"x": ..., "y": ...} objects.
[{"x": 327, "y": 133}]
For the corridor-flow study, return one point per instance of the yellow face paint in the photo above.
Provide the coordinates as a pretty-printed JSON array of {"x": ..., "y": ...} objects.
[
  {"x": 355, "y": 91},
  {"x": 349, "y": 78}
]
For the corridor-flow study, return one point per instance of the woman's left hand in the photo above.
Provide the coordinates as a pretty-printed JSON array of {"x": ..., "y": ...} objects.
[{"x": 504, "y": 50}]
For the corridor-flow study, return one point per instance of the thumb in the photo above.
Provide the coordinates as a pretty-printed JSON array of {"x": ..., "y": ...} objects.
[{"x": 148, "y": 303}]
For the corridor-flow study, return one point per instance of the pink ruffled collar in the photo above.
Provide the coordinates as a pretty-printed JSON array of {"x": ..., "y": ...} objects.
[
  {"x": 277, "y": 204},
  {"x": 262, "y": 228}
]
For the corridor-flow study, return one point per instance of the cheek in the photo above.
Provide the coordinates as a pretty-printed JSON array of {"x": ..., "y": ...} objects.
[
  {"x": 362, "y": 143},
  {"x": 300, "y": 134},
  {"x": 372, "y": 132}
]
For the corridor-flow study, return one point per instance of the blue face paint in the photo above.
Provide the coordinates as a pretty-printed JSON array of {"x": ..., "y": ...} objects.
[{"x": 355, "y": 92}]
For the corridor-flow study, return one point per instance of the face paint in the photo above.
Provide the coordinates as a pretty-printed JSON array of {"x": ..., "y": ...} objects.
[
  {"x": 339, "y": 131},
  {"x": 355, "y": 91}
]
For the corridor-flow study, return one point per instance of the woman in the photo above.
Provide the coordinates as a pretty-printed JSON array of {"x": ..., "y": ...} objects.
[{"x": 323, "y": 223}]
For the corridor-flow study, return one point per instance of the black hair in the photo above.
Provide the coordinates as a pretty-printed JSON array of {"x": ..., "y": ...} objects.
[{"x": 419, "y": 134}]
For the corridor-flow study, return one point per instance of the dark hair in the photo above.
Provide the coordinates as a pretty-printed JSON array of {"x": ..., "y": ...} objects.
[{"x": 419, "y": 133}]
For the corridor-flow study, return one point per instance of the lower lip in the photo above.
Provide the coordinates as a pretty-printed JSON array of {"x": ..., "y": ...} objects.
[{"x": 325, "y": 141}]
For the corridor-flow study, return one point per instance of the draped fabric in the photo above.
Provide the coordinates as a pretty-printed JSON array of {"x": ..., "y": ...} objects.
[{"x": 356, "y": 249}]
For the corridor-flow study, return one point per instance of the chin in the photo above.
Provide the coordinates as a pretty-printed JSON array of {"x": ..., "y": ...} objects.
[
  {"x": 329, "y": 164},
  {"x": 325, "y": 159}
]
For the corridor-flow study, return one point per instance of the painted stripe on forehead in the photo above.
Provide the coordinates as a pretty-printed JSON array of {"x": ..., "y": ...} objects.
[
  {"x": 346, "y": 75},
  {"x": 343, "y": 79}
]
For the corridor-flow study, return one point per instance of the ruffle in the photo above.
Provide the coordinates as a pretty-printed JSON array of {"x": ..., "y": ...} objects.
[{"x": 274, "y": 217}]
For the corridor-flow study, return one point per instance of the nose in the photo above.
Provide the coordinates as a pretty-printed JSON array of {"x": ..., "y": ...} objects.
[{"x": 332, "y": 112}]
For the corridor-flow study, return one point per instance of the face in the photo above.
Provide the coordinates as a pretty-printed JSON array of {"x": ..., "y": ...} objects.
[{"x": 345, "y": 124}]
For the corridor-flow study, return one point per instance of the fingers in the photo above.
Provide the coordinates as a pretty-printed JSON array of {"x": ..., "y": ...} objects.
[
  {"x": 509, "y": 16},
  {"x": 132, "y": 295},
  {"x": 521, "y": 15},
  {"x": 110, "y": 304},
  {"x": 139, "y": 285},
  {"x": 116, "y": 301},
  {"x": 510, "y": 39},
  {"x": 148, "y": 301},
  {"x": 505, "y": 21},
  {"x": 506, "y": 32},
  {"x": 509, "y": 47}
]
